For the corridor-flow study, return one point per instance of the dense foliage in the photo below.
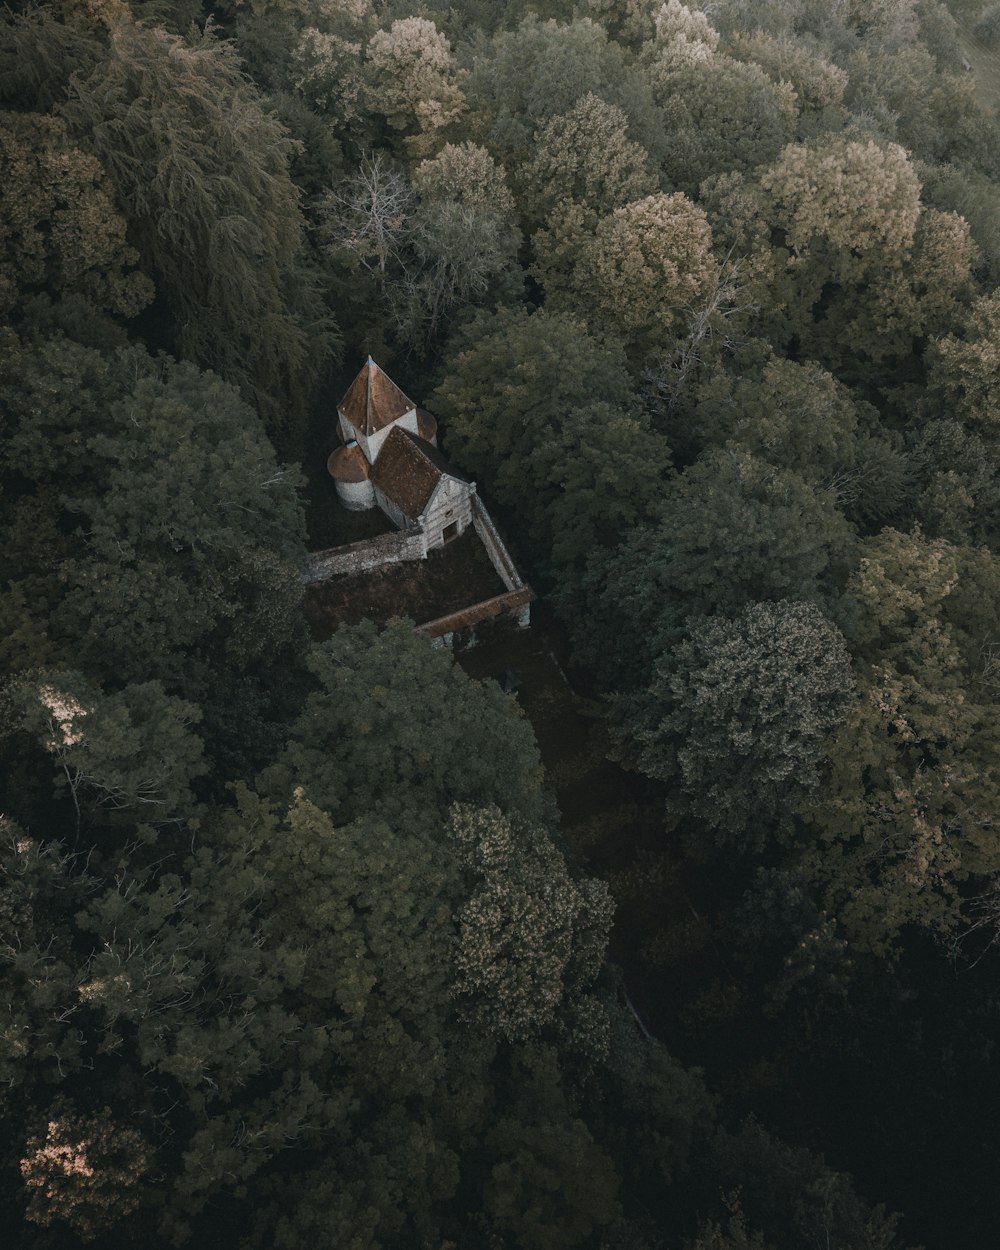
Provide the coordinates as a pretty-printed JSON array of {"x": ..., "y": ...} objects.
[{"x": 294, "y": 948}]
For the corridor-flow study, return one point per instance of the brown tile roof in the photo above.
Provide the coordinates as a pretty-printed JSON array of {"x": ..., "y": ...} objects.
[
  {"x": 373, "y": 400},
  {"x": 477, "y": 612},
  {"x": 407, "y": 470},
  {"x": 427, "y": 427},
  {"x": 348, "y": 464},
  {"x": 436, "y": 457}
]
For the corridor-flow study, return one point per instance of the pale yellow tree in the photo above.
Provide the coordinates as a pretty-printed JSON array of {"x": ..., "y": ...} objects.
[
  {"x": 468, "y": 174},
  {"x": 82, "y": 1171},
  {"x": 647, "y": 269},
  {"x": 683, "y": 36},
  {"x": 515, "y": 979},
  {"x": 944, "y": 253},
  {"x": 413, "y": 81},
  {"x": 862, "y": 265},
  {"x": 327, "y": 70},
  {"x": 59, "y": 227},
  {"x": 860, "y": 196},
  {"x": 327, "y": 62}
]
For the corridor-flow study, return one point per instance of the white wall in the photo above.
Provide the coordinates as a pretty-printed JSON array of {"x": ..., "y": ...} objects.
[
  {"x": 355, "y": 496},
  {"x": 451, "y": 502},
  {"x": 371, "y": 444},
  {"x": 395, "y": 515}
]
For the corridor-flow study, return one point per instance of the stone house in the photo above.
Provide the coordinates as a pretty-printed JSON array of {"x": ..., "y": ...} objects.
[{"x": 389, "y": 459}]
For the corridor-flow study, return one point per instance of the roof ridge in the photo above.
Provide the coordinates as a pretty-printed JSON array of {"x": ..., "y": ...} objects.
[
  {"x": 374, "y": 400},
  {"x": 434, "y": 456}
]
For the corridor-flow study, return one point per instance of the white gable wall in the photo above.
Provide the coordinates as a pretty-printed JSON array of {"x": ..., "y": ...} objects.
[
  {"x": 371, "y": 444},
  {"x": 449, "y": 504}
]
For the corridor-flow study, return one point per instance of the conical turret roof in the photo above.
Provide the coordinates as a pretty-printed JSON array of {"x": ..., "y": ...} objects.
[{"x": 373, "y": 400}]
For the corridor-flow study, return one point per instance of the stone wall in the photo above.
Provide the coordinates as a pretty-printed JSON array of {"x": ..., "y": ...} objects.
[
  {"x": 493, "y": 543},
  {"x": 369, "y": 554},
  {"x": 412, "y": 544}
]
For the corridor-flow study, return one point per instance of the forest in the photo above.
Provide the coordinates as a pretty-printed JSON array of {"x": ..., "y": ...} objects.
[{"x": 297, "y": 945}]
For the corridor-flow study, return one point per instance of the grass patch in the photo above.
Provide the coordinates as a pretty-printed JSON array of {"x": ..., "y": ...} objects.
[{"x": 985, "y": 61}]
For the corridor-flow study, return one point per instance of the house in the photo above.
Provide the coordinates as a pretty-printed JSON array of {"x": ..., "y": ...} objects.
[{"x": 389, "y": 459}]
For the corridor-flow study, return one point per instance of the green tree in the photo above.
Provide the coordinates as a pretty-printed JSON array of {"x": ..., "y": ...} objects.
[
  {"x": 738, "y": 716},
  {"x": 584, "y": 156},
  {"x": 551, "y": 1183},
  {"x": 732, "y": 530},
  {"x": 738, "y": 530},
  {"x": 284, "y": 1006},
  {"x": 796, "y": 416},
  {"x": 177, "y": 534},
  {"x": 964, "y": 368},
  {"x": 819, "y": 84},
  {"x": 699, "y": 102},
  {"x": 124, "y": 758},
  {"x": 522, "y": 78},
  {"x": 794, "y": 1196},
  {"x": 545, "y": 413},
  {"x": 39, "y": 54},
  {"x": 200, "y": 171},
  {"x": 935, "y": 115},
  {"x": 903, "y": 814},
  {"x": 735, "y": 1236},
  {"x": 393, "y": 694},
  {"x": 957, "y": 483}
]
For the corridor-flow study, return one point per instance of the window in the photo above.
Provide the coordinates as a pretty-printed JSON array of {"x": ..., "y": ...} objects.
[{"x": 450, "y": 531}]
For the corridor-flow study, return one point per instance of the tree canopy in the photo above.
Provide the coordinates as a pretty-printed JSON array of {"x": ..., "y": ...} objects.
[{"x": 683, "y": 933}]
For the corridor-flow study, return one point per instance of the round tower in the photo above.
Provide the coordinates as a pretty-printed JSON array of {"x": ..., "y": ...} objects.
[{"x": 350, "y": 472}]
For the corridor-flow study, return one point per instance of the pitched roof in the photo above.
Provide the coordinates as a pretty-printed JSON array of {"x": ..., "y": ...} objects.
[
  {"x": 478, "y": 612},
  {"x": 408, "y": 469},
  {"x": 373, "y": 400}
]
